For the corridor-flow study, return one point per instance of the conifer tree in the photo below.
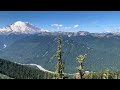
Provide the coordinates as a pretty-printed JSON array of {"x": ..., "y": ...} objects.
[
  {"x": 106, "y": 74},
  {"x": 59, "y": 67},
  {"x": 81, "y": 59}
]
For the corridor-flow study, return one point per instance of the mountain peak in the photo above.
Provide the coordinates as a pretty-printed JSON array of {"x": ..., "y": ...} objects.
[
  {"x": 18, "y": 23},
  {"x": 21, "y": 27}
]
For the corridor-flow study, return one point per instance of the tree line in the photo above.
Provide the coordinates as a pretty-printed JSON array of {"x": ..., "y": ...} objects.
[{"x": 18, "y": 71}]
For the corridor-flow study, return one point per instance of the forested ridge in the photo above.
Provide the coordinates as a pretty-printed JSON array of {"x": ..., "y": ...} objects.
[{"x": 18, "y": 71}]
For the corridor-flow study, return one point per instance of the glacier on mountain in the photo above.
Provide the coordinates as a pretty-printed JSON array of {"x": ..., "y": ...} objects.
[{"x": 20, "y": 27}]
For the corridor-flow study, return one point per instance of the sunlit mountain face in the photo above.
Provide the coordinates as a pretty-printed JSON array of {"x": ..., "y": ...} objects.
[{"x": 20, "y": 27}]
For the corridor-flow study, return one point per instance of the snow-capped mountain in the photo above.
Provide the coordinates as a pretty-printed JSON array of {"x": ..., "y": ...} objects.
[{"x": 20, "y": 27}]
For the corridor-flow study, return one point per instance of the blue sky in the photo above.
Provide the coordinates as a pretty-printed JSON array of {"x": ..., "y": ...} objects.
[{"x": 92, "y": 21}]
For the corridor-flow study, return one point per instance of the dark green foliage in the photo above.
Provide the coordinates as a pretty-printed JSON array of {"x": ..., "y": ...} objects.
[
  {"x": 22, "y": 72},
  {"x": 59, "y": 67},
  {"x": 106, "y": 74},
  {"x": 17, "y": 71}
]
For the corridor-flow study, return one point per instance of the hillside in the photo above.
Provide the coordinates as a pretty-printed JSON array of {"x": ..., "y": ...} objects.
[
  {"x": 41, "y": 49},
  {"x": 102, "y": 52},
  {"x": 18, "y": 71}
]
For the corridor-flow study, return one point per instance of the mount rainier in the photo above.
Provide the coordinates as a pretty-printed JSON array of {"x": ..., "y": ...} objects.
[{"x": 20, "y": 27}]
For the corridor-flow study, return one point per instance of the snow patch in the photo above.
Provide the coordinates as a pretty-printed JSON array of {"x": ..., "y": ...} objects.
[
  {"x": 45, "y": 54},
  {"x": 5, "y": 46},
  {"x": 88, "y": 48},
  {"x": 69, "y": 35}
]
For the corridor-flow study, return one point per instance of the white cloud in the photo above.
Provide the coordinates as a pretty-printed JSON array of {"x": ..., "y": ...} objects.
[
  {"x": 76, "y": 26},
  {"x": 54, "y": 24},
  {"x": 45, "y": 30},
  {"x": 108, "y": 31},
  {"x": 67, "y": 27},
  {"x": 60, "y": 25},
  {"x": 57, "y": 25}
]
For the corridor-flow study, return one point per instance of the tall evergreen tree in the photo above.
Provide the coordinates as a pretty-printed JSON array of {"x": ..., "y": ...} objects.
[
  {"x": 59, "y": 67},
  {"x": 81, "y": 59}
]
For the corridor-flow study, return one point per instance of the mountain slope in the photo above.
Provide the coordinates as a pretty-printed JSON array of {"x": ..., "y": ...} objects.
[
  {"x": 38, "y": 49},
  {"x": 18, "y": 71},
  {"x": 20, "y": 27}
]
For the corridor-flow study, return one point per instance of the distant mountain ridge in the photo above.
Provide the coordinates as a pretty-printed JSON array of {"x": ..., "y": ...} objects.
[{"x": 20, "y": 27}]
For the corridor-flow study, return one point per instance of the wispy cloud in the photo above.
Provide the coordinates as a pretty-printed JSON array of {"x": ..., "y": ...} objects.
[
  {"x": 60, "y": 27},
  {"x": 112, "y": 29},
  {"x": 76, "y": 26},
  {"x": 67, "y": 27},
  {"x": 57, "y": 25}
]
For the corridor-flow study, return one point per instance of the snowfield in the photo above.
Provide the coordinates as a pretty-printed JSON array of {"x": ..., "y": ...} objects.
[{"x": 20, "y": 27}]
